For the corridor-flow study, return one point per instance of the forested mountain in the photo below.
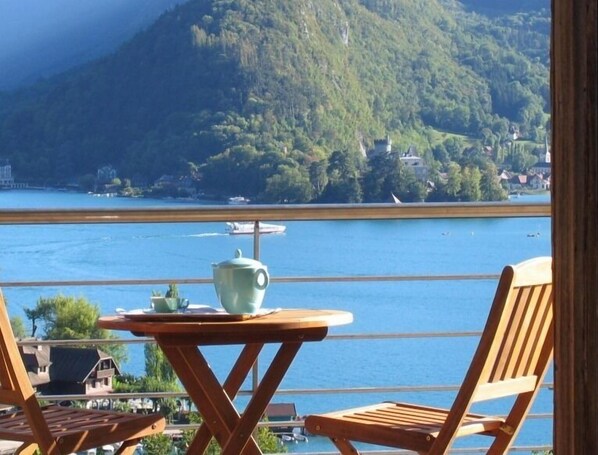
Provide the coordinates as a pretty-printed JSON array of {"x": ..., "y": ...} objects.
[{"x": 269, "y": 98}]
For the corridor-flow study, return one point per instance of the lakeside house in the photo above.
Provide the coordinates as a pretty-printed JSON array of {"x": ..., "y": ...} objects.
[
  {"x": 67, "y": 370},
  {"x": 281, "y": 412}
]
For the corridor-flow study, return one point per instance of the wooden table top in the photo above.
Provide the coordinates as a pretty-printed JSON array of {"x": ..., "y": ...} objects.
[{"x": 283, "y": 325}]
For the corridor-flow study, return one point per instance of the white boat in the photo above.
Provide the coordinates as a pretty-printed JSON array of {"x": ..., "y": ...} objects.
[
  {"x": 298, "y": 435},
  {"x": 288, "y": 438},
  {"x": 248, "y": 227},
  {"x": 238, "y": 200}
]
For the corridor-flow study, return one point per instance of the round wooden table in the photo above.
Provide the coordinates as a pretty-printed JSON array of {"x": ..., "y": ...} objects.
[{"x": 181, "y": 337}]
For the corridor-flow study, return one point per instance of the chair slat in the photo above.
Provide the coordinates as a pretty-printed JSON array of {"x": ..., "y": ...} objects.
[
  {"x": 505, "y": 388},
  {"x": 544, "y": 324}
]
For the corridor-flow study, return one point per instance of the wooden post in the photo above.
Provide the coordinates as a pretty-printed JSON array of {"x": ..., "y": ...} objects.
[{"x": 575, "y": 224}]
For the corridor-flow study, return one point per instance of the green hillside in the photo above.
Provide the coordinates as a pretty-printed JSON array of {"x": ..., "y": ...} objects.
[{"x": 245, "y": 95}]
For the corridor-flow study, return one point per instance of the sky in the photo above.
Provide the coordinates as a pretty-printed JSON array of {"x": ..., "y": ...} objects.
[{"x": 42, "y": 37}]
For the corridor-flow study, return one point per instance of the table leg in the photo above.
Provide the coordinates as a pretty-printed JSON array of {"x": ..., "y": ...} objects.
[
  {"x": 263, "y": 394},
  {"x": 233, "y": 383},
  {"x": 211, "y": 399}
]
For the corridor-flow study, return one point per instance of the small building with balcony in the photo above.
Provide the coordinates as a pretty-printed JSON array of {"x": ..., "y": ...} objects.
[{"x": 67, "y": 370}]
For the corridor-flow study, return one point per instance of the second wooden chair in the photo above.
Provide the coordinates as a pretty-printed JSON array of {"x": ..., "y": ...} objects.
[{"x": 512, "y": 358}]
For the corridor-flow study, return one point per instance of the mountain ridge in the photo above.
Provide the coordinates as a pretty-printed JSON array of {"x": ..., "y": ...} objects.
[{"x": 242, "y": 79}]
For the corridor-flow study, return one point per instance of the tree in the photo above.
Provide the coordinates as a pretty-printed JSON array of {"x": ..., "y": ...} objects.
[
  {"x": 440, "y": 154},
  {"x": 454, "y": 147},
  {"x": 141, "y": 384},
  {"x": 490, "y": 187},
  {"x": 453, "y": 184},
  {"x": 318, "y": 177},
  {"x": 379, "y": 176},
  {"x": 188, "y": 435},
  {"x": 233, "y": 171},
  {"x": 157, "y": 444},
  {"x": 156, "y": 364},
  {"x": 470, "y": 185},
  {"x": 159, "y": 377},
  {"x": 406, "y": 186},
  {"x": 266, "y": 439},
  {"x": 520, "y": 158},
  {"x": 343, "y": 179},
  {"x": 18, "y": 327},
  {"x": 290, "y": 185},
  {"x": 40, "y": 313},
  {"x": 347, "y": 190},
  {"x": 70, "y": 318}
]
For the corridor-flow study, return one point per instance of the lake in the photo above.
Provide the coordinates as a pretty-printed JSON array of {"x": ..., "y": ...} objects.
[{"x": 387, "y": 247}]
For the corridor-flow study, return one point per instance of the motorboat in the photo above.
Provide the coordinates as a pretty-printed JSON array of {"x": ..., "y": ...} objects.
[
  {"x": 248, "y": 227},
  {"x": 238, "y": 200}
]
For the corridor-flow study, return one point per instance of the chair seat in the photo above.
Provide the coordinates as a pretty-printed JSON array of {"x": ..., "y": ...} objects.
[
  {"x": 401, "y": 425},
  {"x": 81, "y": 429}
]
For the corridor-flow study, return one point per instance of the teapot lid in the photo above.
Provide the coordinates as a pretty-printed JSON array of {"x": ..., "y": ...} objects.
[{"x": 239, "y": 262}]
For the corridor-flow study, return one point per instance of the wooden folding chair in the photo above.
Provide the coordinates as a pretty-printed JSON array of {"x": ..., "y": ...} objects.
[
  {"x": 56, "y": 429},
  {"x": 512, "y": 358}
]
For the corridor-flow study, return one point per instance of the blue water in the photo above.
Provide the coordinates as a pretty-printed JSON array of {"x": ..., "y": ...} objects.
[{"x": 409, "y": 247}]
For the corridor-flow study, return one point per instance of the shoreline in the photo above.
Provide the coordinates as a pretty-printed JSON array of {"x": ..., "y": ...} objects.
[
  {"x": 220, "y": 201},
  {"x": 49, "y": 189}
]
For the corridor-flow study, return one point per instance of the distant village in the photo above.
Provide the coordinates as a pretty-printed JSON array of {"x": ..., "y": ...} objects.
[{"x": 537, "y": 178}]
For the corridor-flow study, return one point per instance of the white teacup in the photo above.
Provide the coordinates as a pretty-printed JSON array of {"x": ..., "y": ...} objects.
[{"x": 168, "y": 304}]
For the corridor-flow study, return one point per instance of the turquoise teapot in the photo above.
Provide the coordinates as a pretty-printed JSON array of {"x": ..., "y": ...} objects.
[{"x": 240, "y": 284}]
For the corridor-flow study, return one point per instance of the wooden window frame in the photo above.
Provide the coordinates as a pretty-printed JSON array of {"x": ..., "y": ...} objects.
[{"x": 575, "y": 224}]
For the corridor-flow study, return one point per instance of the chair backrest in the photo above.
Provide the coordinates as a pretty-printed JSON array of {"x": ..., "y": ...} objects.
[
  {"x": 15, "y": 387},
  {"x": 514, "y": 352}
]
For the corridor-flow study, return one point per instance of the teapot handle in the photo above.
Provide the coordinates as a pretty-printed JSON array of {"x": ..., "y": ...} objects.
[{"x": 264, "y": 282}]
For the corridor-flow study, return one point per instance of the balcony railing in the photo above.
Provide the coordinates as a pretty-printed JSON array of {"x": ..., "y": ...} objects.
[{"x": 204, "y": 214}]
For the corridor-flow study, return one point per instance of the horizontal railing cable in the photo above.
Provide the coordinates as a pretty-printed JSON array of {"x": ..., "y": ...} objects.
[
  {"x": 279, "y": 392},
  {"x": 302, "y": 279},
  {"x": 346, "y": 336}
]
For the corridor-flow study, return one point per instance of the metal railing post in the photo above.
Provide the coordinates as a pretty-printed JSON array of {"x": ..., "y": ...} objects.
[{"x": 256, "y": 255}]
